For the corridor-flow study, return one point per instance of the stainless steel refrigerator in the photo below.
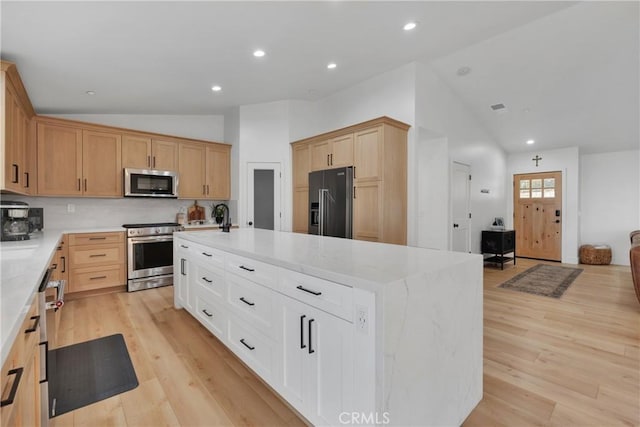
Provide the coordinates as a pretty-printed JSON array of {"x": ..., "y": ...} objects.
[{"x": 330, "y": 202}]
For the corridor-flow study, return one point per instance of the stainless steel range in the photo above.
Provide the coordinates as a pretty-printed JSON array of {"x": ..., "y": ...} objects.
[{"x": 150, "y": 255}]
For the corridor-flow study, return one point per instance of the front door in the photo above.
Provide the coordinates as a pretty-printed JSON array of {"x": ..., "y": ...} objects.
[{"x": 537, "y": 211}]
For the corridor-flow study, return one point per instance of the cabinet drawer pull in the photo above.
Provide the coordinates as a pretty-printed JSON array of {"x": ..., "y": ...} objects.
[
  {"x": 154, "y": 161},
  {"x": 14, "y": 386},
  {"x": 302, "y": 344},
  {"x": 302, "y": 288},
  {"x": 26, "y": 176},
  {"x": 183, "y": 246},
  {"x": 36, "y": 322},
  {"x": 328, "y": 164},
  {"x": 207, "y": 313},
  {"x": 78, "y": 184},
  {"x": 46, "y": 361},
  {"x": 149, "y": 161},
  {"x": 207, "y": 280},
  {"x": 246, "y": 345},
  {"x": 97, "y": 238},
  {"x": 182, "y": 261},
  {"x": 97, "y": 255},
  {"x": 247, "y": 268},
  {"x": 85, "y": 184},
  {"x": 206, "y": 254},
  {"x": 331, "y": 159},
  {"x": 97, "y": 277},
  {"x": 247, "y": 302},
  {"x": 64, "y": 264},
  {"x": 311, "y": 350},
  {"x": 15, "y": 173}
]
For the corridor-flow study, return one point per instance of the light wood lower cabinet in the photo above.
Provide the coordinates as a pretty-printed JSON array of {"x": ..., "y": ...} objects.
[
  {"x": 20, "y": 380},
  {"x": 96, "y": 261},
  {"x": 280, "y": 331}
]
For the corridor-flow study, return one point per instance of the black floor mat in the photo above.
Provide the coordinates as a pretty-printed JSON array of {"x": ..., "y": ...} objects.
[{"x": 81, "y": 374}]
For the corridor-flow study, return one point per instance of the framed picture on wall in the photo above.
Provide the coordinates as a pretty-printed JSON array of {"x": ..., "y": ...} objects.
[{"x": 498, "y": 223}]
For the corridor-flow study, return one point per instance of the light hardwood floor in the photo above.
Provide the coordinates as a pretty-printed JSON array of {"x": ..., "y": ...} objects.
[{"x": 558, "y": 362}]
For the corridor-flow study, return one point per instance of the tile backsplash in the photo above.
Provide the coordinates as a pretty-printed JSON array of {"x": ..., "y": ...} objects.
[{"x": 94, "y": 212}]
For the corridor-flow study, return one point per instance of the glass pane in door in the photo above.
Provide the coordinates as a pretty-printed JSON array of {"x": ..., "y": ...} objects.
[{"x": 263, "y": 195}]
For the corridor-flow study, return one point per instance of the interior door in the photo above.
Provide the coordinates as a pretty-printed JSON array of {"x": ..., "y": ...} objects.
[
  {"x": 460, "y": 221},
  {"x": 537, "y": 215},
  {"x": 263, "y": 196}
]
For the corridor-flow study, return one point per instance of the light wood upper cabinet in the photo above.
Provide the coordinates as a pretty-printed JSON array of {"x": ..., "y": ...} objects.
[
  {"x": 218, "y": 172},
  {"x": 332, "y": 153},
  {"x": 367, "y": 211},
  {"x": 301, "y": 165},
  {"x": 136, "y": 151},
  {"x": 59, "y": 160},
  {"x": 192, "y": 169},
  {"x": 341, "y": 151},
  {"x": 164, "y": 155},
  {"x": 301, "y": 210},
  {"x": 368, "y": 154},
  {"x": 143, "y": 152},
  {"x": 320, "y": 155},
  {"x": 73, "y": 162},
  {"x": 101, "y": 164},
  {"x": 16, "y": 168}
]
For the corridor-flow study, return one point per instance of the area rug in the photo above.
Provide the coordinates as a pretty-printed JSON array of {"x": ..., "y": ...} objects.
[
  {"x": 543, "y": 279},
  {"x": 84, "y": 373}
]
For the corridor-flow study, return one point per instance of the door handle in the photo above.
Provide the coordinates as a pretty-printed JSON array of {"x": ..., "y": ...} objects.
[
  {"x": 46, "y": 361},
  {"x": 26, "y": 176},
  {"x": 455, "y": 225},
  {"x": 311, "y": 350},
  {"x": 250, "y": 223},
  {"x": 328, "y": 164},
  {"x": 85, "y": 184},
  {"x": 302, "y": 344},
  {"x": 16, "y": 173},
  {"x": 149, "y": 161},
  {"x": 182, "y": 261}
]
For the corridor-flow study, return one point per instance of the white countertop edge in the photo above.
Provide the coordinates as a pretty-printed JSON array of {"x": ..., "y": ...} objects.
[{"x": 345, "y": 279}]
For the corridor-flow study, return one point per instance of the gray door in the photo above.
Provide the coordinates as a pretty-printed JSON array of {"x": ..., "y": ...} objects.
[{"x": 263, "y": 209}]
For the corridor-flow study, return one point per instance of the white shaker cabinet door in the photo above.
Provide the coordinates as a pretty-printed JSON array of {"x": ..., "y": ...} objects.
[
  {"x": 318, "y": 362},
  {"x": 181, "y": 275}
]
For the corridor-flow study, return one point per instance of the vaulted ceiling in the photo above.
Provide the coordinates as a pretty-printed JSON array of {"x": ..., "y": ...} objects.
[{"x": 567, "y": 72}]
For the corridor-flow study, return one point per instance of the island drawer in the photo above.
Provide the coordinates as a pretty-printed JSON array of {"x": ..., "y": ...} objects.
[
  {"x": 256, "y": 271},
  {"x": 252, "y": 302},
  {"x": 210, "y": 314},
  {"x": 256, "y": 350},
  {"x": 328, "y": 296},
  {"x": 206, "y": 256},
  {"x": 211, "y": 280}
]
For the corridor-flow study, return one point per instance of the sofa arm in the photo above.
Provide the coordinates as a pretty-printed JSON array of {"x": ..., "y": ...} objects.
[{"x": 634, "y": 255}]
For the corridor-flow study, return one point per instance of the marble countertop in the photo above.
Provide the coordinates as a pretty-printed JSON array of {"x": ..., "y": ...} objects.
[
  {"x": 23, "y": 265},
  {"x": 356, "y": 263}
]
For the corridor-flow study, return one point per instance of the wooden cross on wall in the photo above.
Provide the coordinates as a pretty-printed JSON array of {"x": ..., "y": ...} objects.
[{"x": 537, "y": 159}]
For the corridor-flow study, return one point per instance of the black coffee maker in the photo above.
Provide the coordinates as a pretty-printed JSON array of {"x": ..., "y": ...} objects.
[{"x": 14, "y": 220}]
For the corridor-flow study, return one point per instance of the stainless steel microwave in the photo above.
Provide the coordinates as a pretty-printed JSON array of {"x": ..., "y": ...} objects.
[{"x": 150, "y": 183}]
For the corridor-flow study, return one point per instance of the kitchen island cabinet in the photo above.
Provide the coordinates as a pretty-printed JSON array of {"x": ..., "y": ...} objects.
[{"x": 342, "y": 328}]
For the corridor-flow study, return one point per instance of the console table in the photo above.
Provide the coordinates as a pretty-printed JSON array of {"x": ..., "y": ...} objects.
[{"x": 499, "y": 243}]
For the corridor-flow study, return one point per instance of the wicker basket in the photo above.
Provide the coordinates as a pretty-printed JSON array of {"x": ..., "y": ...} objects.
[{"x": 595, "y": 255}]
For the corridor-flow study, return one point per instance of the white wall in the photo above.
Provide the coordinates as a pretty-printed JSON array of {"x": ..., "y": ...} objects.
[
  {"x": 232, "y": 136},
  {"x": 439, "y": 111},
  {"x": 264, "y": 137},
  {"x": 567, "y": 161},
  {"x": 610, "y": 200},
  {"x": 206, "y": 127}
]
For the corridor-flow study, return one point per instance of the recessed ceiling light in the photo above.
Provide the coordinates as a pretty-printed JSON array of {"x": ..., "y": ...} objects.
[
  {"x": 216, "y": 88},
  {"x": 91, "y": 92},
  {"x": 409, "y": 26},
  {"x": 530, "y": 141},
  {"x": 463, "y": 71},
  {"x": 258, "y": 53},
  {"x": 331, "y": 65}
]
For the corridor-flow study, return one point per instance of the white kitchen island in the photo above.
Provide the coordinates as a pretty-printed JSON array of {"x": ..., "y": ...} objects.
[{"x": 348, "y": 332}]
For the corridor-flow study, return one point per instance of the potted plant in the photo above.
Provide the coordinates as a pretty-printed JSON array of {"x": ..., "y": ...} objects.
[{"x": 219, "y": 212}]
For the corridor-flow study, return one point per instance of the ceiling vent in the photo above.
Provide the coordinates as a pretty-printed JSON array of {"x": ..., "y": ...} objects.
[{"x": 499, "y": 108}]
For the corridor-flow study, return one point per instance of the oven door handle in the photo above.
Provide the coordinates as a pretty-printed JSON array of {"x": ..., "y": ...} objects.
[{"x": 165, "y": 238}]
